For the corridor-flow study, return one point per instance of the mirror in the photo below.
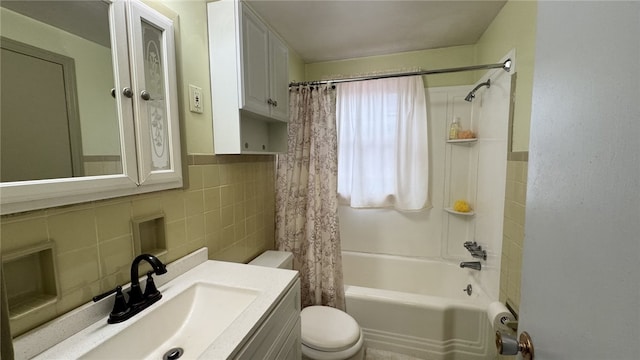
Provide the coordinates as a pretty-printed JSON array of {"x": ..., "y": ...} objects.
[{"x": 59, "y": 118}]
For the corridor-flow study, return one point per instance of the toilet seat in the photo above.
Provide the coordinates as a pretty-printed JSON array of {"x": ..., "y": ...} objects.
[{"x": 328, "y": 330}]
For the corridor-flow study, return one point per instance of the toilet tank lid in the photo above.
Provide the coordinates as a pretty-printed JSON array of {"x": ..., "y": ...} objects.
[{"x": 327, "y": 329}]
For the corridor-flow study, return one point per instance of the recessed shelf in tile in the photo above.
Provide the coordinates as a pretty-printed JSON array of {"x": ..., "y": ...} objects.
[
  {"x": 149, "y": 235},
  {"x": 31, "y": 278}
]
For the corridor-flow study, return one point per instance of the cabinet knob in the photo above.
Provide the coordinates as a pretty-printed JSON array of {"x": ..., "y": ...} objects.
[
  {"x": 145, "y": 95},
  {"x": 274, "y": 103},
  {"x": 269, "y": 101},
  {"x": 127, "y": 92}
]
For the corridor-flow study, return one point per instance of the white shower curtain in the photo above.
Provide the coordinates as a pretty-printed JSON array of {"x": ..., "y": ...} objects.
[
  {"x": 382, "y": 143},
  {"x": 306, "y": 196}
]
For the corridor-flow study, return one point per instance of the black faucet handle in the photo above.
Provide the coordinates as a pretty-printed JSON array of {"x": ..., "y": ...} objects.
[
  {"x": 120, "y": 310},
  {"x": 104, "y": 295},
  {"x": 150, "y": 290}
]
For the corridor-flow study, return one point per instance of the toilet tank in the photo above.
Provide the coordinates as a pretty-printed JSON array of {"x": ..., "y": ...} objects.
[{"x": 275, "y": 259}]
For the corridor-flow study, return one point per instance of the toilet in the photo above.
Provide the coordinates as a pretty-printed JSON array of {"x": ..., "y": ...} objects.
[{"x": 327, "y": 333}]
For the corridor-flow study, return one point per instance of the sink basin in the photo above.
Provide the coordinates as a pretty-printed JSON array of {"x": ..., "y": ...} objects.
[{"x": 189, "y": 320}]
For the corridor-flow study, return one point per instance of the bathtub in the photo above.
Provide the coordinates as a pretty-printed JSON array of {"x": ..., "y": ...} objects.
[{"x": 417, "y": 307}]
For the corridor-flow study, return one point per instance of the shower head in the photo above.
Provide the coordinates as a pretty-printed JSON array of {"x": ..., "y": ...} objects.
[{"x": 472, "y": 94}]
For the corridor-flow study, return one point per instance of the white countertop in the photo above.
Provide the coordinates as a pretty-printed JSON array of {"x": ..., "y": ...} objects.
[{"x": 58, "y": 338}]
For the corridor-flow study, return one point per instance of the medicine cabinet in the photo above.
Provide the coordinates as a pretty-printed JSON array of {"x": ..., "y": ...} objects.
[
  {"x": 249, "y": 81},
  {"x": 118, "y": 99}
]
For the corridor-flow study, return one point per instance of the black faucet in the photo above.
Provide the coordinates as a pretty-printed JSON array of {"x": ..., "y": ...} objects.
[{"x": 123, "y": 309}]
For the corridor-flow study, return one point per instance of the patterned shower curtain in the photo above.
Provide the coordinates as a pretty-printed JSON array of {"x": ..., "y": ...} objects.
[{"x": 306, "y": 196}]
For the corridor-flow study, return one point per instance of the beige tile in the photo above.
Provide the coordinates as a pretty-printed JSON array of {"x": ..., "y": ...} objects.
[
  {"x": 195, "y": 177},
  {"x": 225, "y": 174},
  {"x": 23, "y": 233},
  {"x": 238, "y": 212},
  {"x": 226, "y": 216},
  {"x": 511, "y": 229},
  {"x": 194, "y": 203},
  {"x": 78, "y": 268},
  {"x": 250, "y": 190},
  {"x": 73, "y": 299},
  {"x": 176, "y": 234},
  {"x": 177, "y": 252},
  {"x": 120, "y": 278},
  {"x": 238, "y": 192},
  {"x": 226, "y": 195},
  {"x": 240, "y": 231},
  {"x": 522, "y": 172},
  {"x": 228, "y": 236},
  {"x": 195, "y": 228},
  {"x": 251, "y": 224},
  {"x": 520, "y": 193},
  {"x": 113, "y": 220},
  {"x": 147, "y": 205},
  {"x": 214, "y": 241},
  {"x": 511, "y": 170},
  {"x": 116, "y": 255},
  {"x": 173, "y": 205},
  {"x": 73, "y": 230},
  {"x": 212, "y": 221},
  {"x": 251, "y": 207},
  {"x": 234, "y": 253},
  {"x": 211, "y": 176},
  {"x": 212, "y": 199}
]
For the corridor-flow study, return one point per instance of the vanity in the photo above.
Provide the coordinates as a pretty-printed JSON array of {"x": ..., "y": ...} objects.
[{"x": 209, "y": 309}]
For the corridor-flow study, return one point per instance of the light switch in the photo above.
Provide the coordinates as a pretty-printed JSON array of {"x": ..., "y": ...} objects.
[{"x": 195, "y": 99}]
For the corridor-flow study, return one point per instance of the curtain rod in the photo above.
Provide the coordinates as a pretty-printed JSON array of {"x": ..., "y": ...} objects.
[{"x": 506, "y": 66}]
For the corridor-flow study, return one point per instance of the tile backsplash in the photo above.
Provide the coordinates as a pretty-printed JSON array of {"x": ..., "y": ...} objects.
[{"x": 228, "y": 206}]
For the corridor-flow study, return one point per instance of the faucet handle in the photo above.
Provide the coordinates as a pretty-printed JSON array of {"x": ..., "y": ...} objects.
[
  {"x": 150, "y": 290},
  {"x": 120, "y": 310}
]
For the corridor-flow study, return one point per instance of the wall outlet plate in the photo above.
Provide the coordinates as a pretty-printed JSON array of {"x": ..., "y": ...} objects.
[{"x": 195, "y": 99}]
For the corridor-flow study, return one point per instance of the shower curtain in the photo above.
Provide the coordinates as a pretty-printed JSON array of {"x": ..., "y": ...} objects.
[{"x": 306, "y": 196}]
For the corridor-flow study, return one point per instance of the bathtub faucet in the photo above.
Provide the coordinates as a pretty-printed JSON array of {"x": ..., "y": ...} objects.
[{"x": 475, "y": 265}]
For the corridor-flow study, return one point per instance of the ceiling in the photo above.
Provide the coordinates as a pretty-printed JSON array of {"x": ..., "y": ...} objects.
[{"x": 322, "y": 30}]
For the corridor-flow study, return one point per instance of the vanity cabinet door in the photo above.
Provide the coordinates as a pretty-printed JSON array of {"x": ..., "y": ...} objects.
[{"x": 155, "y": 99}]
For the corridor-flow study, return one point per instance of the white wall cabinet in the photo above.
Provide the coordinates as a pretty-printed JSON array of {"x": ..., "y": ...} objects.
[
  {"x": 249, "y": 81},
  {"x": 144, "y": 93}
]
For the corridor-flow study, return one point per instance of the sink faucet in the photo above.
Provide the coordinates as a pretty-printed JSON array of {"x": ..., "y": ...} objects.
[
  {"x": 123, "y": 309},
  {"x": 136, "y": 298},
  {"x": 475, "y": 265}
]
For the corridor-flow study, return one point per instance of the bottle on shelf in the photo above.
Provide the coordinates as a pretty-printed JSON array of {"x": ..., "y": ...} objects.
[{"x": 453, "y": 130}]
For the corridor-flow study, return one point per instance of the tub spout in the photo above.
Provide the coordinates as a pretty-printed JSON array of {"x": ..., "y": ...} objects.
[{"x": 475, "y": 265}]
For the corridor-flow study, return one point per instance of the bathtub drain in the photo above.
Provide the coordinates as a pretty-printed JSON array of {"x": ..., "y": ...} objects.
[{"x": 173, "y": 354}]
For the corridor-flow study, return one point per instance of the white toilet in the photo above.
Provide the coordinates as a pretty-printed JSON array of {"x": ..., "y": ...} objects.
[{"x": 327, "y": 333}]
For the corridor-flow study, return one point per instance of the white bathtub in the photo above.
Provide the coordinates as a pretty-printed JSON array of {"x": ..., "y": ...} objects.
[{"x": 417, "y": 307}]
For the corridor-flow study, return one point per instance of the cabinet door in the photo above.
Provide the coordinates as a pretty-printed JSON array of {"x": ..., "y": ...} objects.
[
  {"x": 255, "y": 67},
  {"x": 292, "y": 347},
  {"x": 155, "y": 99},
  {"x": 279, "y": 76}
]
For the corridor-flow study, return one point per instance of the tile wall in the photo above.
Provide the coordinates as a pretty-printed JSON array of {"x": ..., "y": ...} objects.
[
  {"x": 513, "y": 233},
  {"x": 228, "y": 206}
]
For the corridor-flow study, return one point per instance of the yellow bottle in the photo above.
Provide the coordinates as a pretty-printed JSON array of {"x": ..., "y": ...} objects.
[{"x": 453, "y": 130}]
